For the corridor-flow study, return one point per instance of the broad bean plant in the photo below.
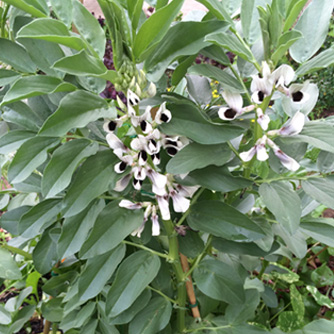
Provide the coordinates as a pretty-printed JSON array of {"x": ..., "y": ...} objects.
[{"x": 192, "y": 206}]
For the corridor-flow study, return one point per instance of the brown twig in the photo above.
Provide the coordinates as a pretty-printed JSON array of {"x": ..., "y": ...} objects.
[
  {"x": 190, "y": 288},
  {"x": 311, "y": 258}
]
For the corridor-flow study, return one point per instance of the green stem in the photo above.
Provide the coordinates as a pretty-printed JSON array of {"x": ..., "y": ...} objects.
[
  {"x": 3, "y": 21},
  {"x": 146, "y": 248},
  {"x": 234, "y": 150},
  {"x": 194, "y": 200},
  {"x": 264, "y": 266},
  {"x": 181, "y": 287},
  {"x": 199, "y": 258},
  {"x": 206, "y": 329},
  {"x": 16, "y": 250},
  {"x": 162, "y": 294},
  {"x": 279, "y": 312},
  {"x": 236, "y": 74},
  {"x": 54, "y": 328},
  {"x": 287, "y": 178}
]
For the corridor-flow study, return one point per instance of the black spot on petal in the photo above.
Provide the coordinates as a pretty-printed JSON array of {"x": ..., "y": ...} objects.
[
  {"x": 171, "y": 151},
  {"x": 143, "y": 125},
  {"x": 112, "y": 126},
  {"x": 170, "y": 142},
  {"x": 260, "y": 96},
  {"x": 153, "y": 142},
  {"x": 143, "y": 155},
  {"x": 164, "y": 118},
  {"x": 122, "y": 166},
  {"x": 297, "y": 96},
  {"x": 230, "y": 113}
]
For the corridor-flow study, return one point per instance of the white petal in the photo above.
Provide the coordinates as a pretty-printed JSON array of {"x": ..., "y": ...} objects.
[
  {"x": 227, "y": 114},
  {"x": 159, "y": 180},
  {"x": 155, "y": 224},
  {"x": 158, "y": 191},
  {"x": 287, "y": 161},
  {"x": 138, "y": 231},
  {"x": 234, "y": 100},
  {"x": 283, "y": 75},
  {"x": 164, "y": 207},
  {"x": 138, "y": 143},
  {"x": 120, "y": 167},
  {"x": 109, "y": 126},
  {"x": 261, "y": 153},
  {"x": 294, "y": 125},
  {"x": 132, "y": 99},
  {"x": 114, "y": 142},
  {"x": 187, "y": 191},
  {"x": 123, "y": 183},
  {"x": 262, "y": 119},
  {"x": 180, "y": 203},
  {"x": 248, "y": 155},
  {"x": 151, "y": 90},
  {"x": 137, "y": 184},
  {"x": 124, "y": 203},
  {"x": 147, "y": 212},
  {"x": 163, "y": 115},
  {"x": 139, "y": 173},
  {"x": 265, "y": 70}
]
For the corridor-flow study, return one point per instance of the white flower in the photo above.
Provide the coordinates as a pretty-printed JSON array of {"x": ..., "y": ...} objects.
[
  {"x": 286, "y": 161},
  {"x": 292, "y": 127},
  {"x": 124, "y": 203},
  {"x": 180, "y": 203},
  {"x": 298, "y": 92},
  {"x": 143, "y": 121},
  {"x": 235, "y": 106},
  {"x": 259, "y": 149},
  {"x": 159, "y": 182},
  {"x": 283, "y": 76},
  {"x": 163, "y": 206},
  {"x": 126, "y": 160},
  {"x": 155, "y": 222},
  {"x": 262, "y": 119},
  {"x": 163, "y": 115},
  {"x": 110, "y": 125},
  {"x": 123, "y": 182},
  {"x": 261, "y": 87},
  {"x": 151, "y": 90},
  {"x": 116, "y": 145},
  {"x": 132, "y": 99}
]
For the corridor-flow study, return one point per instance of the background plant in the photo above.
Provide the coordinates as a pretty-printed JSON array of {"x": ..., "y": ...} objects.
[{"x": 253, "y": 229}]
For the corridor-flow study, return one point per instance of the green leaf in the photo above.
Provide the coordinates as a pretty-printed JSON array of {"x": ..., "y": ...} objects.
[
  {"x": 15, "y": 55},
  {"x": 63, "y": 10},
  {"x": 8, "y": 267},
  {"x": 58, "y": 173},
  {"x": 81, "y": 63},
  {"x": 58, "y": 284},
  {"x": 35, "y": 85},
  {"x": 12, "y": 140},
  {"x": 188, "y": 121},
  {"x": 32, "y": 281},
  {"x": 39, "y": 217},
  {"x": 195, "y": 156},
  {"x": 32, "y": 7},
  {"x": 321, "y": 300},
  {"x": 89, "y": 28},
  {"x": 325, "y": 162},
  {"x": 231, "y": 43},
  {"x": 53, "y": 310},
  {"x": 45, "y": 252},
  {"x": 225, "y": 221},
  {"x": 127, "y": 315},
  {"x": 181, "y": 70},
  {"x": 183, "y": 39},
  {"x": 321, "y": 189},
  {"x": 111, "y": 227},
  {"x": 293, "y": 12},
  {"x": 217, "y": 8},
  {"x": 319, "y": 13},
  {"x": 135, "y": 10},
  {"x": 288, "y": 321},
  {"x": 226, "y": 80},
  {"x": 216, "y": 53},
  {"x": 5, "y": 316},
  {"x": 132, "y": 277},
  {"x": 153, "y": 318},
  {"x": 321, "y": 229},
  {"x": 30, "y": 185},
  {"x": 218, "y": 179},
  {"x": 319, "y": 134},
  {"x": 220, "y": 281},
  {"x": 155, "y": 28},
  {"x": 21, "y": 114},
  {"x": 53, "y": 31},
  {"x": 75, "y": 229},
  {"x": 76, "y": 110},
  {"x": 10, "y": 219},
  {"x": 250, "y": 19},
  {"x": 283, "y": 202},
  {"x": 284, "y": 43},
  {"x": 323, "y": 60},
  {"x": 98, "y": 271},
  {"x": 297, "y": 302},
  {"x": 321, "y": 326},
  {"x": 322, "y": 276},
  {"x": 93, "y": 178},
  {"x": 8, "y": 76},
  {"x": 29, "y": 156}
]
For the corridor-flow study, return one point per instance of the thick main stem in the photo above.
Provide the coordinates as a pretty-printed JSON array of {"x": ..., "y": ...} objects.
[{"x": 181, "y": 288}]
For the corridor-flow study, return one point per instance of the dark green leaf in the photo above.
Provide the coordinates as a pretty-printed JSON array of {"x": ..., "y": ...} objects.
[
  {"x": 30, "y": 156},
  {"x": 195, "y": 156},
  {"x": 39, "y": 217},
  {"x": 63, "y": 10},
  {"x": 53, "y": 310},
  {"x": 112, "y": 226},
  {"x": 98, "y": 271},
  {"x": 58, "y": 173},
  {"x": 217, "y": 8},
  {"x": 10, "y": 219},
  {"x": 7, "y": 76},
  {"x": 12, "y": 140},
  {"x": 76, "y": 110},
  {"x": 15, "y": 55},
  {"x": 30, "y": 185},
  {"x": 8, "y": 266},
  {"x": 58, "y": 284},
  {"x": 132, "y": 277},
  {"x": 32, "y": 7},
  {"x": 225, "y": 221},
  {"x": 283, "y": 202},
  {"x": 36, "y": 85},
  {"x": 153, "y": 318},
  {"x": 220, "y": 281},
  {"x": 321, "y": 229},
  {"x": 94, "y": 177}
]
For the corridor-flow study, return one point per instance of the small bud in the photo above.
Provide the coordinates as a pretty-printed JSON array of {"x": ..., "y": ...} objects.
[
  {"x": 120, "y": 103},
  {"x": 138, "y": 90},
  {"x": 152, "y": 90}
]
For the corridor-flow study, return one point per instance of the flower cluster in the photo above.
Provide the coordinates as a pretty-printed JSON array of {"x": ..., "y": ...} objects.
[
  {"x": 139, "y": 155},
  {"x": 263, "y": 86}
]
